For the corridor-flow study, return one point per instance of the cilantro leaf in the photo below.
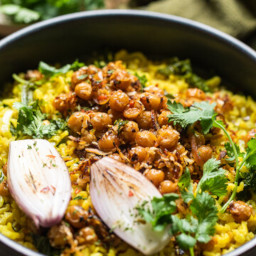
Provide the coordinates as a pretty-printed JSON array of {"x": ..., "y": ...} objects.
[
  {"x": 143, "y": 80},
  {"x": 48, "y": 70},
  {"x": 76, "y": 65},
  {"x": 203, "y": 207},
  {"x": 213, "y": 179},
  {"x": 250, "y": 151},
  {"x": 199, "y": 111},
  {"x": 160, "y": 210},
  {"x": 31, "y": 122},
  {"x": 185, "y": 186},
  {"x": 186, "y": 241}
]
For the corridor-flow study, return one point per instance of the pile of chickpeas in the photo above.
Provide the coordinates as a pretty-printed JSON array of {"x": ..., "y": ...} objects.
[
  {"x": 109, "y": 111},
  {"x": 128, "y": 122}
]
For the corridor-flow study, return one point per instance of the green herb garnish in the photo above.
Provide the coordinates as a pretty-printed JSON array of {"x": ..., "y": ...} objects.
[{"x": 30, "y": 122}]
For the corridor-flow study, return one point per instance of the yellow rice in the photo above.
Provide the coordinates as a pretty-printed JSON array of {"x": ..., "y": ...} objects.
[{"x": 229, "y": 234}]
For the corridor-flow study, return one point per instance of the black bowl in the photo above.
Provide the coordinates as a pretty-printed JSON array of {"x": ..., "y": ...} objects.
[{"x": 161, "y": 36}]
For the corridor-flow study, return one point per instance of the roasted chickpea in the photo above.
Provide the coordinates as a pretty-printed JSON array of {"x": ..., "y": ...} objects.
[
  {"x": 115, "y": 115},
  {"x": 118, "y": 101},
  {"x": 83, "y": 90},
  {"x": 163, "y": 118},
  {"x": 154, "y": 90},
  {"x": 4, "y": 191},
  {"x": 133, "y": 109},
  {"x": 76, "y": 120},
  {"x": 79, "y": 76},
  {"x": 65, "y": 102},
  {"x": 168, "y": 138},
  {"x": 240, "y": 211},
  {"x": 60, "y": 235},
  {"x": 108, "y": 142},
  {"x": 196, "y": 93},
  {"x": 168, "y": 186},
  {"x": 100, "y": 120},
  {"x": 144, "y": 120},
  {"x": 145, "y": 139},
  {"x": 204, "y": 153},
  {"x": 154, "y": 175},
  {"x": 76, "y": 216},
  {"x": 122, "y": 79},
  {"x": 138, "y": 154},
  {"x": 151, "y": 101},
  {"x": 86, "y": 235},
  {"x": 129, "y": 131}
]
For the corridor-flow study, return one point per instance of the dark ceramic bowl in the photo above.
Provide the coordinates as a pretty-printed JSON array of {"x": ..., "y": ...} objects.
[{"x": 79, "y": 35}]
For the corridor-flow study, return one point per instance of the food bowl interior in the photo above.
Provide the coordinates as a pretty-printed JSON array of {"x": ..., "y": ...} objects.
[{"x": 81, "y": 35}]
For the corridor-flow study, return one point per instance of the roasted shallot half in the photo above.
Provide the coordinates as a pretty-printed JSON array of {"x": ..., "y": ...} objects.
[
  {"x": 38, "y": 180},
  {"x": 116, "y": 190}
]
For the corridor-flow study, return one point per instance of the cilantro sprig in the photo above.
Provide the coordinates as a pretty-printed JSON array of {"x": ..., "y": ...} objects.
[
  {"x": 31, "y": 122},
  {"x": 49, "y": 71},
  {"x": 199, "y": 224},
  {"x": 249, "y": 159},
  {"x": 204, "y": 113}
]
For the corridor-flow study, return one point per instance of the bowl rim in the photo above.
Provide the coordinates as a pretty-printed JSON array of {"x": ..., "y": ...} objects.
[{"x": 215, "y": 33}]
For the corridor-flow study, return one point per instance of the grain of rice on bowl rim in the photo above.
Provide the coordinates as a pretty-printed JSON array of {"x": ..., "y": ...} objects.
[{"x": 188, "y": 136}]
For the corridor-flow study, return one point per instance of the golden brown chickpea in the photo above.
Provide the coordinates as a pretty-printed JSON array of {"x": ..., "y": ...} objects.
[
  {"x": 83, "y": 90},
  {"x": 76, "y": 216},
  {"x": 154, "y": 175},
  {"x": 118, "y": 101},
  {"x": 196, "y": 93},
  {"x": 76, "y": 120},
  {"x": 154, "y": 90},
  {"x": 115, "y": 115},
  {"x": 133, "y": 109},
  {"x": 101, "y": 96},
  {"x": 65, "y": 102},
  {"x": 100, "y": 120},
  {"x": 240, "y": 211},
  {"x": 122, "y": 79},
  {"x": 108, "y": 142},
  {"x": 129, "y": 131},
  {"x": 138, "y": 154},
  {"x": 60, "y": 235},
  {"x": 168, "y": 138},
  {"x": 151, "y": 101},
  {"x": 144, "y": 120},
  {"x": 78, "y": 76},
  {"x": 163, "y": 118},
  {"x": 145, "y": 139},
  {"x": 204, "y": 153},
  {"x": 168, "y": 186},
  {"x": 4, "y": 191},
  {"x": 86, "y": 235}
]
